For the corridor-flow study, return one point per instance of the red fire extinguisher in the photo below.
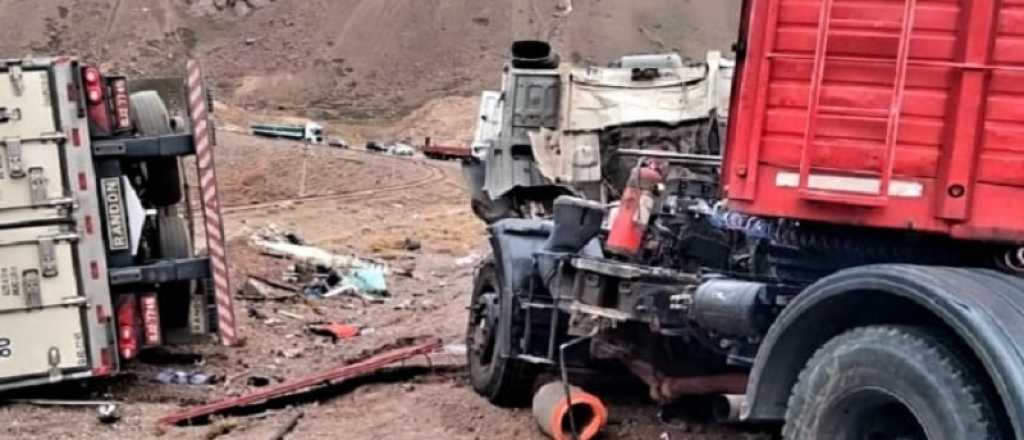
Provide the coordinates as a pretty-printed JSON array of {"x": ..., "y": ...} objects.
[{"x": 630, "y": 224}]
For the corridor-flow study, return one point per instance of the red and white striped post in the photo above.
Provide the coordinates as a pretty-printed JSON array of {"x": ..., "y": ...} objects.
[{"x": 213, "y": 223}]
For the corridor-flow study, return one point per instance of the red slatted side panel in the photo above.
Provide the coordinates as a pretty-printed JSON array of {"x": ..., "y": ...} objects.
[{"x": 944, "y": 137}]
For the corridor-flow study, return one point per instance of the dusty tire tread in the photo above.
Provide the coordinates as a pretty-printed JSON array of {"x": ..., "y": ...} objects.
[
  {"x": 926, "y": 344},
  {"x": 151, "y": 118},
  {"x": 513, "y": 385}
]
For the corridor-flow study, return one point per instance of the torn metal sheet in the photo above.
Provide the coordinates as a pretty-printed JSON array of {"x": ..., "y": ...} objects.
[
  {"x": 370, "y": 280},
  {"x": 309, "y": 383},
  {"x": 355, "y": 273},
  {"x": 529, "y": 101},
  {"x": 596, "y": 99}
]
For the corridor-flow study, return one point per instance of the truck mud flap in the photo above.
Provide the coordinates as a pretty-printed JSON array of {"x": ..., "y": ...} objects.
[{"x": 515, "y": 241}]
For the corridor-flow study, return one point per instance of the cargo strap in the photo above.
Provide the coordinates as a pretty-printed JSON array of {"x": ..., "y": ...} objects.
[
  {"x": 12, "y": 150},
  {"x": 17, "y": 80}
]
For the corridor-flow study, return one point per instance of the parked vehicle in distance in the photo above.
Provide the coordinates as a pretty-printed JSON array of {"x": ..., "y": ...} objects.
[
  {"x": 400, "y": 149},
  {"x": 310, "y": 132},
  {"x": 375, "y": 147},
  {"x": 433, "y": 150}
]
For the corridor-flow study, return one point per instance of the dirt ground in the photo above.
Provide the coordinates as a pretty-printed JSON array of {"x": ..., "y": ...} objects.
[{"x": 361, "y": 204}]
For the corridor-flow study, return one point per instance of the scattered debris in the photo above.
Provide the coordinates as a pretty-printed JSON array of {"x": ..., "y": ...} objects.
[
  {"x": 564, "y": 7},
  {"x": 411, "y": 245},
  {"x": 336, "y": 330},
  {"x": 580, "y": 415},
  {"x": 294, "y": 238},
  {"x": 60, "y": 402},
  {"x": 323, "y": 272},
  {"x": 291, "y": 353},
  {"x": 288, "y": 314},
  {"x": 306, "y": 384},
  {"x": 106, "y": 411},
  {"x": 289, "y": 426},
  {"x": 179, "y": 377},
  {"x": 253, "y": 312},
  {"x": 257, "y": 381},
  {"x": 455, "y": 349},
  {"x": 221, "y": 428},
  {"x": 352, "y": 291},
  {"x": 275, "y": 284},
  {"x": 468, "y": 260},
  {"x": 258, "y": 290}
]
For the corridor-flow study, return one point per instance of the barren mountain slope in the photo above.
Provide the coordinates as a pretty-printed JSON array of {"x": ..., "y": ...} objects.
[{"x": 352, "y": 59}]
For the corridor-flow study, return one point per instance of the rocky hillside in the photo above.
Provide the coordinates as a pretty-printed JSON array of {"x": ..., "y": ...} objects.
[{"x": 352, "y": 59}]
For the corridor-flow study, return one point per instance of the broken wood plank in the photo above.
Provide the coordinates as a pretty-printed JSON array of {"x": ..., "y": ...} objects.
[
  {"x": 275, "y": 284},
  {"x": 309, "y": 383},
  {"x": 258, "y": 290}
]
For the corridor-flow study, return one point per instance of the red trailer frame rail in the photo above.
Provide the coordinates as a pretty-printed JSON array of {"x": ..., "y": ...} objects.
[
  {"x": 904, "y": 115},
  {"x": 320, "y": 379}
]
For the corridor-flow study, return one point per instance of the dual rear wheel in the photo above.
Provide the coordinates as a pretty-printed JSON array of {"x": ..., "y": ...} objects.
[
  {"x": 162, "y": 188},
  {"x": 892, "y": 383}
]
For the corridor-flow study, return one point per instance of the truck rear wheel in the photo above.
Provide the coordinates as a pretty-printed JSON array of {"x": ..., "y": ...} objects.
[
  {"x": 890, "y": 382},
  {"x": 163, "y": 176},
  {"x": 174, "y": 298},
  {"x": 499, "y": 378}
]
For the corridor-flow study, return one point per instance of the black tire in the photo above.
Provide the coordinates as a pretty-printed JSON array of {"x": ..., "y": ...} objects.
[
  {"x": 502, "y": 380},
  {"x": 174, "y": 298},
  {"x": 172, "y": 232},
  {"x": 163, "y": 176},
  {"x": 891, "y": 382},
  {"x": 491, "y": 211}
]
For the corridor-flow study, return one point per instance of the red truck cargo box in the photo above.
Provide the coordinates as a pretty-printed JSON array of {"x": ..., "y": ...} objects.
[{"x": 882, "y": 113}]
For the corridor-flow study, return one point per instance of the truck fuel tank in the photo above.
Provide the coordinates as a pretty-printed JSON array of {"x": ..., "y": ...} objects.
[{"x": 732, "y": 307}]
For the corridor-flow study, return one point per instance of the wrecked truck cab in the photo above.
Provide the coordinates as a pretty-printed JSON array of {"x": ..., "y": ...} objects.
[{"x": 562, "y": 125}]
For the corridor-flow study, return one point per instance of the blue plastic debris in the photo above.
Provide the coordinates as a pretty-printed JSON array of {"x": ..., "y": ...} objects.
[{"x": 369, "y": 280}]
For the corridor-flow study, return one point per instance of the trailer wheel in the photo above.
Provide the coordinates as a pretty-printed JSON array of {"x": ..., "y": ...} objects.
[
  {"x": 173, "y": 243},
  {"x": 890, "y": 382},
  {"x": 163, "y": 176},
  {"x": 173, "y": 235},
  {"x": 502, "y": 380}
]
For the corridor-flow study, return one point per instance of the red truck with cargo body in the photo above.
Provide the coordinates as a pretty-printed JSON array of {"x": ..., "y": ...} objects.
[
  {"x": 849, "y": 267},
  {"x": 433, "y": 150}
]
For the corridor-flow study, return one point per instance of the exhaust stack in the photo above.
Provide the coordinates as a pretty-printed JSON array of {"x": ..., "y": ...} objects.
[{"x": 534, "y": 54}]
